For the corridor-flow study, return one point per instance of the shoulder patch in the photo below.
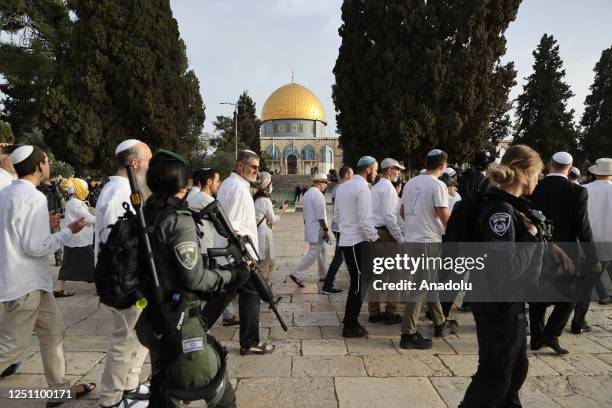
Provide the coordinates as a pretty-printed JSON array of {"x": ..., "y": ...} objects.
[
  {"x": 187, "y": 254},
  {"x": 499, "y": 223}
]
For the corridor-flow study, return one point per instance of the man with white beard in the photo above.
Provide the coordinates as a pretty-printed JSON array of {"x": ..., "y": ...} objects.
[{"x": 120, "y": 385}]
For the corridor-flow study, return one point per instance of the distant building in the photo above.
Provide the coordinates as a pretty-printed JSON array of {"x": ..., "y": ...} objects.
[{"x": 292, "y": 133}]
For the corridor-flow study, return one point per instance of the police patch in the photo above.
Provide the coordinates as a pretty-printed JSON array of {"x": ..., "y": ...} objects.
[
  {"x": 187, "y": 254},
  {"x": 499, "y": 223}
]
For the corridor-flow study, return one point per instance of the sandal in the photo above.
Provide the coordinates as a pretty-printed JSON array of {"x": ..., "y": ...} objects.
[
  {"x": 233, "y": 321},
  {"x": 297, "y": 281},
  {"x": 62, "y": 293},
  {"x": 259, "y": 349},
  {"x": 86, "y": 388}
]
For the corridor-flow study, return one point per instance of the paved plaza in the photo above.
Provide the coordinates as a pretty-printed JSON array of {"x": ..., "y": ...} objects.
[{"x": 314, "y": 367}]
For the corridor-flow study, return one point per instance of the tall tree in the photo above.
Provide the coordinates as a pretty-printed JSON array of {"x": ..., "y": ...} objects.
[
  {"x": 413, "y": 75},
  {"x": 248, "y": 122},
  {"x": 543, "y": 120},
  {"x": 33, "y": 38},
  {"x": 596, "y": 123},
  {"x": 6, "y": 133},
  {"x": 125, "y": 75}
]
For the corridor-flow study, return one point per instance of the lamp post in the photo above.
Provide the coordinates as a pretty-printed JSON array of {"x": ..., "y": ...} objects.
[{"x": 235, "y": 105}]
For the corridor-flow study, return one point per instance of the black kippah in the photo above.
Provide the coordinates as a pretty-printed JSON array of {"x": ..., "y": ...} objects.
[{"x": 164, "y": 154}]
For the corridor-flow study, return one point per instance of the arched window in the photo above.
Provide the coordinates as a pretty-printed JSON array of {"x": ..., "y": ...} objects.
[
  {"x": 290, "y": 150},
  {"x": 273, "y": 154},
  {"x": 308, "y": 153},
  {"x": 327, "y": 154}
]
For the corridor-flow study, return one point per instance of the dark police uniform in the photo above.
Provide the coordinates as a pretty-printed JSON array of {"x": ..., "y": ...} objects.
[
  {"x": 501, "y": 326},
  {"x": 181, "y": 270}
]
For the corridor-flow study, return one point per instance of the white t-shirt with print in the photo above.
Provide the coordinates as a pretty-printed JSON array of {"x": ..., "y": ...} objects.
[{"x": 421, "y": 195}]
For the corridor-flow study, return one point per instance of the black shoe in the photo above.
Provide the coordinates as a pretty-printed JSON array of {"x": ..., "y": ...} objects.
[
  {"x": 579, "y": 330},
  {"x": 356, "y": 332},
  {"x": 449, "y": 326},
  {"x": 375, "y": 318},
  {"x": 605, "y": 301},
  {"x": 321, "y": 279},
  {"x": 10, "y": 370},
  {"x": 554, "y": 344},
  {"x": 392, "y": 318},
  {"x": 415, "y": 341},
  {"x": 331, "y": 291},
  {"x": 139, "y": 393},
  {"x": 535, "y": 344}
]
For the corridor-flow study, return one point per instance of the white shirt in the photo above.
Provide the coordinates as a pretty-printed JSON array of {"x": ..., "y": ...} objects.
[
  {"x": 421, "y": 196},
  {"x": 75, "y": 210},
  {"x": 192, "y": 191},
  {"x": 334, "y": 224},
  {"x": 314, "y": 210},
  {"x": 452, "y": 200},
  {"x": 110, "y": 207},
  {"x": 6, "y": 178},
  {"x": 26, "y": 241},
  {"x": 354, "y": 201},
  {"x": 235, "y": 199},
  {"x": 264, "y": 210},
  {"x": 198, "y": 202},
  {"x": 600, "y": 216},
  {"x": 384, "y": 208}
]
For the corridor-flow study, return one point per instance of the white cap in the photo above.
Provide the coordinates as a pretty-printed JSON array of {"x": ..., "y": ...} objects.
[
  {"x": 126, "y": 144},
  {"x": 388, "y": 162},
  {"x": 575, "y": 170},
  {"x": 563, "y": 158},
  {"x": 450, "y": 171},
  {"x": 423, "y": 171},
  {"x": 21, "y": 153}
]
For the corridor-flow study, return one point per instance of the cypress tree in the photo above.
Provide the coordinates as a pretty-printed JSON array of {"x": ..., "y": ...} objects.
[
  {"x": 125, "y": 75},
  {"x": 248, "y": 122},
  {"x": 414, "y": 75},
  {"x": 543, "y": 120},
  {"x": 596, "y": 123}
]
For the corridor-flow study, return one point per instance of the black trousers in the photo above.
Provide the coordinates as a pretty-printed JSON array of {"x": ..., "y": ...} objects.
[
  {"x": 557, "y": 320},
  {"x": 585, "y": 290},
  {"x": 353, "y": 258},
  {"x": 334, "y": 266},
  {"x": 502, "y": 362},
  {"x": 248, "y": 309}
]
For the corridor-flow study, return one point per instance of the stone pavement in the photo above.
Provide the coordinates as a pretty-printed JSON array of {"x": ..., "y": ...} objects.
[{"x": 314, "y": 367}]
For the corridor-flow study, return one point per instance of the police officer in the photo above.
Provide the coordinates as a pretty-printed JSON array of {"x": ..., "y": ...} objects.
[
  {"x": 501, "y": 326},
  {"x": 182, "y": 278}
]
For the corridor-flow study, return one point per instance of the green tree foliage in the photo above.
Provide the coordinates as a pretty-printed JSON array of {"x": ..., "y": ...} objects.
[
  {"x": 413, "y": 75},
  {"x": 34, "y": 36},
  {"x": 125, "y": 75},
  {"x": 6, "y": 133},
  {"x": 248, "y": 122},
  {"x": 543, "y": 120},
  {"x": 596, "y": 123}
]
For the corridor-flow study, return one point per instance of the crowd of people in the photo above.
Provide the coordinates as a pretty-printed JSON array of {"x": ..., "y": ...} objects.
[{"x": 370, "y": 204}]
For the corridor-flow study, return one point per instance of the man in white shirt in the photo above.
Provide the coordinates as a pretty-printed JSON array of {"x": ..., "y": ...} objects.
[
  {"x": 235, "y": 198},
  {"x": 384, "y": 212},
  {"x": 120, "y": 385},
  {"x": 196, "y": 186},
  {"x": 7, "y": 172},
  {"x": 354, "y": 214},
  {"x": 425, "y": 211},
  {"x": 316, "y": 232},
  {"x": 26, "y": 287},
  {"x": 328, "y": 288},
  {"x": 600, "y": 218}
]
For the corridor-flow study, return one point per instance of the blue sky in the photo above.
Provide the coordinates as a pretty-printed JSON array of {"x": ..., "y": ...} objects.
[{"x": 254, "y": 44}]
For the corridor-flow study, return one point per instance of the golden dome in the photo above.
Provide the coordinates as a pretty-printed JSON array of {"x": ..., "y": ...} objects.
[{"x": 293, "y": 101}]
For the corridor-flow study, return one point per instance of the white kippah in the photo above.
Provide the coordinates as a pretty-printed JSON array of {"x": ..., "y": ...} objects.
[
  {"x": 423, "y": 171},
  {"x": 562, "y": 158},
  {"x": 434, "y": 152},
  {"x": 126, "y": 144},
  {"x": 21, "y": 153},
  {"x": 249, "y": 151}
]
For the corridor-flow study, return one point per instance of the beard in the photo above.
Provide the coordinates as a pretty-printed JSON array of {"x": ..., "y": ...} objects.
[
  {"x": 370, "y": 178},
  {"x": 141, "y": 179}
]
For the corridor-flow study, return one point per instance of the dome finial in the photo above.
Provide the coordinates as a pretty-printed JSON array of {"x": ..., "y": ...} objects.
[{"x": 292, "y": 70}]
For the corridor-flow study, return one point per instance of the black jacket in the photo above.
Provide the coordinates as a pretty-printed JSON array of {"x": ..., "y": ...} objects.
[{"x": 565, "y": 204}]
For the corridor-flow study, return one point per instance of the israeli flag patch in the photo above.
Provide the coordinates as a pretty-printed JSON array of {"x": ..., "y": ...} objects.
[{"x": 194, "y": 344}]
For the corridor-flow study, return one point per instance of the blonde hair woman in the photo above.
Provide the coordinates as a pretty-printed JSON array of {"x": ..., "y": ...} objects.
[
  {"x": 501, "y": 326},
  {"x": 78, "y": 262}
]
